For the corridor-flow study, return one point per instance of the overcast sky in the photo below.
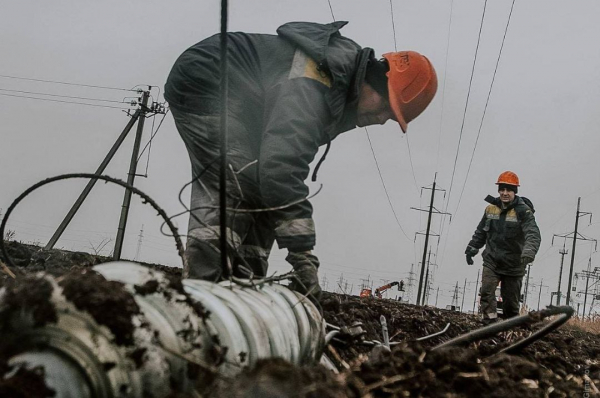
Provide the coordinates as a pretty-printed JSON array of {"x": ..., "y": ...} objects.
[{"x": 541, "y": 122}]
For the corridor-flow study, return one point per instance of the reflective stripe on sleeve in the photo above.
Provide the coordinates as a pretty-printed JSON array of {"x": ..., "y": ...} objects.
[{"x": 296, "y": 227}]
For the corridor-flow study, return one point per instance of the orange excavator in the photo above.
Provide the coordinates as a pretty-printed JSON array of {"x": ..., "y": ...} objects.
[{"x": 379, "y": 291}]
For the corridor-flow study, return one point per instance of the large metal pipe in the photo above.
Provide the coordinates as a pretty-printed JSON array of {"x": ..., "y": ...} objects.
[{"x": 218, "y": 327}]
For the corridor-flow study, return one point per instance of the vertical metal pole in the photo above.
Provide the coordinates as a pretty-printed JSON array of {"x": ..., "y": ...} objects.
[
  {"x": 476, "y": 287},
  {"x": 587, "y": 283},
  {"x": 131, "y": 177},
  {"x": 223, "y": 170},
  {"x": 562, "y": 260},
  {"x": 526, "y": 286},
  {"x": 426, "y": 242},
  {"x": 436, "y": 296},
  {"x": 573, "y": 254},
  {"x": 540, "y": 295},
  {"x": 462, "y": 304},
  {"x": 63, "y": 225},
  {"x": 426, "y": 284}
]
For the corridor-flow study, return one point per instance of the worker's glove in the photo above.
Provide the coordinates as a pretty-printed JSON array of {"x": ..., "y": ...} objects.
[
  {"x": 526, "y": 260},
  {"x": 306, "y": 280},
  {"x": 470, "y": 252}
]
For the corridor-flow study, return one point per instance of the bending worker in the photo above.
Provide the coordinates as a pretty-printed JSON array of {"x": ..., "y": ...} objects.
[
  {"x": 289, "y": 94},
  {"x": 512, "y": 239}
]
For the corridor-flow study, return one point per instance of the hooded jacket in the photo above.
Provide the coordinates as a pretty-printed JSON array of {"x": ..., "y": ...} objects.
[
  {"x": 291, "y": 93},
  {"x": 508, "y": 234}
]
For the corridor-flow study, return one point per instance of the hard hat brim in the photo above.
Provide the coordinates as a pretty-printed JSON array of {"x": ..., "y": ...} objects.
[{"x": 398, "y": 117}]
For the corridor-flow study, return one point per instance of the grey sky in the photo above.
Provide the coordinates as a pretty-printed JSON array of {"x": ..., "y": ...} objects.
[{"x": 541, "y": 122}]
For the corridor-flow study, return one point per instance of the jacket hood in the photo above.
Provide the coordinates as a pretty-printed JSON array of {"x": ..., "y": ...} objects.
[{"x": 341, "y": 57}]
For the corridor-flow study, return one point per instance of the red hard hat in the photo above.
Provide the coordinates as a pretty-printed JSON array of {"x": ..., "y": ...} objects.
[
  {"x": 508, "y": 178},
  {"x": 412, "y": 84}
]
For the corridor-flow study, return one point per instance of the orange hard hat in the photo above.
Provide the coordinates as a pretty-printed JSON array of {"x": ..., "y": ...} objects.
[
  {"x": 412, "y": 84},
  {"x": 508, "y": 178}
]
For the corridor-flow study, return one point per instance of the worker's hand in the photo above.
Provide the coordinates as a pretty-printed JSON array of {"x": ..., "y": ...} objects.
[
  {"x": 526, "y": 260},
  {"x": 470, "y": 251},
  {"x": 470, "y": 260},
  {"x": 306, "y": 279}
]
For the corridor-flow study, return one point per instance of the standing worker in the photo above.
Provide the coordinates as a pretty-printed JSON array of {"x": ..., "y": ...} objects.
[
  {"x": 512, "y": 239},
  {"x": 289, "y": 94}
]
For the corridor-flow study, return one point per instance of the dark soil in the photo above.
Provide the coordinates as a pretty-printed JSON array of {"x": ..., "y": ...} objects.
[
  {"x": 106, "y": 301},
  {"x": 563, "y": 364}
]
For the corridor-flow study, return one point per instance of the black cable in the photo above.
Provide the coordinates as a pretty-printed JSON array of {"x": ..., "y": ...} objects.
[
  {"x": 384, "y": 187},
  {"x": 145, "y": 199},
  {"x": 488, "y": 331},
  {"x": 149, "y": 143},
  {"x": 466, "y": 104},
  {"x": 437, "y": 161},
  {"x": 486, "y": 106},
  {"x": 63, "y": 96},
  {"x": 64, "y": 102},
  {"x": 65, "y": 83},
  {"x": 331, "y": 9},
  {"x": 223, "y": 144},
  {"x": 393, "y": 26}
]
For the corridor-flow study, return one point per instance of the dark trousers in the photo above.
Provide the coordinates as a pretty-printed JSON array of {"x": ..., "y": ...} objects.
[
  {"x": 250, "y": 235},
  {"x": 510, "y": 291}
]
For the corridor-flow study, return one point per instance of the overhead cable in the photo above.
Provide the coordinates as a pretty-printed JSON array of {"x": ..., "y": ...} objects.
[
  {"x": 64, "y": 102},
  {"x": 63, "y": 96},
  {"x": 486, "y": 106},
  {"x": 466, "y": 104},
  {"x": 444, "y": 87},
  {"x": 412, "y": 168},
  {"x": 65, "y": 83},
  {"x": 384, "y": 187}
]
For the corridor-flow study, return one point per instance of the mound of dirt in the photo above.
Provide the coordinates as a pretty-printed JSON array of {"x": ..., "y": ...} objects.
[{"x": 565, "y": 363}]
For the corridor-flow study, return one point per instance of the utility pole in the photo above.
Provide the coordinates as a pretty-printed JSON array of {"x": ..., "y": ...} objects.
[
  {"x": 324, "y": 282},
  {"x": 476, "y": 286},
  {"x": 462, "y": 305},
  {"x": 130, "y": 178},
  {"x": 411, "y": 282},
  {"x": 430, "y": 211},
  {"x": 526, "y": 286},
  {"x": 426, "y": 284},
  {"x": 436, "y": 296},
  {"x": 540, "y": 293},
  {"x": 589, "y": 274},
  {"x": 139, "y": 245},
  {"x": 575, "y": 236},
  {"x": 138, "y": 116},
  {"x": 455, "y": 297},
  {"x": 562, "y": 260}
]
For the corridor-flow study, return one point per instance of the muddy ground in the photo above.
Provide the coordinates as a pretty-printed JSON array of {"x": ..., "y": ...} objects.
[{"x": 563, "y": 364}]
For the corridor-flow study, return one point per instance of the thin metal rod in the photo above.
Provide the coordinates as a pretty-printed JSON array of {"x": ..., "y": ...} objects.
[
  {"x": 223, "y": 169},
  {"x": 573, "y": 253},
  {"x": 426, "y": 243},
  {"x": 562, "y": 261},
  {"x": 476, "y": 286},
  {"x": 63, "y": 225},
  {"x": 131, "y": 177}
]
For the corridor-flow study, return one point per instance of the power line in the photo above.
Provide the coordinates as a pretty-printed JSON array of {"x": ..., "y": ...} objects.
[
  {"x": 437, "y": 161},
  {"x": 466, "y": 103},
  {"x": 384, "y": 187},
  {"x": 331, "y": 9},
  {"x": 486, "y": 105},
  {"x": 64, "y": 102},
  {"x": 412, "y": 168},
  {"x": 463, "y": 124},
  {"x": 393, "y": 25},
  {"x": 65, "y": 83},
  {"x": 63, "y": 96}
]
